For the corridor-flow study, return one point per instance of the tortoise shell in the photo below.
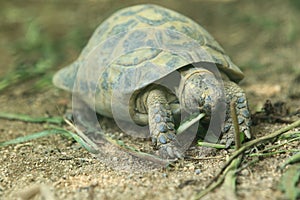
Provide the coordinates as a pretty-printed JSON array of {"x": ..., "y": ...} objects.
[{"x": 135, "y": 47}]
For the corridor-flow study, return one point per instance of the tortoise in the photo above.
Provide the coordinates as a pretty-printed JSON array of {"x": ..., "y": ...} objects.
[{"x": 120, "y": 74}]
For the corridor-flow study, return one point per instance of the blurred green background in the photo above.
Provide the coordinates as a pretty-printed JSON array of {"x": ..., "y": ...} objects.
[{"x": 38, "y": 37}]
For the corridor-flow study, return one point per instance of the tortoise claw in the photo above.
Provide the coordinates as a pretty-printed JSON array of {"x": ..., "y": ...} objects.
[{"x": 170, "y": 151}]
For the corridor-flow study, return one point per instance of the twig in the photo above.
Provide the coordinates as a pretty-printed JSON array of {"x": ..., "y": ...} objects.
[
  {"x": 218, "y": 182},
  {"x": 261, "y": 153},
  {"x": 87, "y": 143},
  {"x": 218, "y": 179},
  {"x": 251, "y": 143},
  {"x": 273, "y": 153},
  {"x": 237, "y": 137},
  {"x": 229, "y": 175},
  {"x": 205, "y": 158}
]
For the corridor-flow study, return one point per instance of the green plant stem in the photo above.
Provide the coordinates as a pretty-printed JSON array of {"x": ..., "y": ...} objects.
[{"x": 212, "y": 145}]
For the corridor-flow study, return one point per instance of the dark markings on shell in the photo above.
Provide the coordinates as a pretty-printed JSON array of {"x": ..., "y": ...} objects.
[
  {"x": 124, "y": 27},
  {"x": 130, "y": 59},
  {"x": 104, "y": 83},
  {"x": 134, "y": 40},
  {"x": 172, "y": 62},
  {"x": 126, "y": 12}
]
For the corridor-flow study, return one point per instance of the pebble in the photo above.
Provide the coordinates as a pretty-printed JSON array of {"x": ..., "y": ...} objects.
[
  {"x": 115, "y": 159},
  {"x": 245, "y": 172},
  {"x": 197, "y": 171}
]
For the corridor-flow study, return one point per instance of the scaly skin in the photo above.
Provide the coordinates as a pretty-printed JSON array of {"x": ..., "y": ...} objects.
[
  {"x": 199, "y": 91},
  {"x": 234, "y": 92},
  {"x": 161, "y": 124}
]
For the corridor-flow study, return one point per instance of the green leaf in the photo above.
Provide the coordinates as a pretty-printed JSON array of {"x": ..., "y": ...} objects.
[{"x": 289, "y": 180}]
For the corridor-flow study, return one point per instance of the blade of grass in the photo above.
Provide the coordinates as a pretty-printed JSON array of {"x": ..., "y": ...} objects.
[
  {"x": 289, "y": 180},
  {"x": 45, "y": 133},
  {"x": 31, "y": 137},
  {"x": 229, "y": 174},
  {"x": 220, "y": 180},
  {"x": 217, "y": 180},
  {"x": 229, "y": 185},
  {"x": 294, "y": 159},
  {"x": 26, "y": 118},
  {"x": 192, "y": 119},
  {"x": 212, "y": 145}
]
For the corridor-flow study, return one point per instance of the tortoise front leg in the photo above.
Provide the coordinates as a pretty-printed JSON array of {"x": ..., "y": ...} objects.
[
  {"x": 161, "y": 124},
  {"x": 234, "y": 93}
]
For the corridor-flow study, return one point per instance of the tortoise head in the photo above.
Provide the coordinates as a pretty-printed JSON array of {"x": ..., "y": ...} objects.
[{"x": 200, "y": 91}]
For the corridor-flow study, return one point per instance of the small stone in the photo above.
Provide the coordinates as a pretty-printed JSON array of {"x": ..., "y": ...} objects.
[
  {"x": 115, "y": 159},
  {"x": 245, "y": 172},
  {"x": 197, "y": 171}
]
